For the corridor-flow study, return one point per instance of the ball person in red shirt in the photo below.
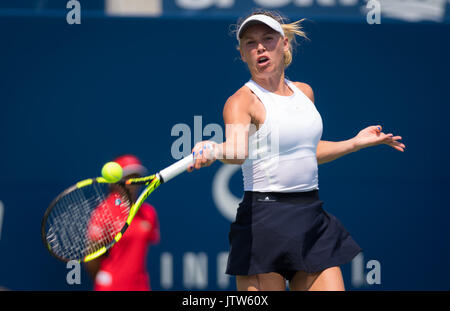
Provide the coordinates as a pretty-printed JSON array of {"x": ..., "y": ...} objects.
[{"x": 124, "y": 268}]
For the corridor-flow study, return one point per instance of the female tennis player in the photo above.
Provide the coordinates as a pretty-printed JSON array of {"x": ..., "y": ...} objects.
[{"x": 281, "y": 231}]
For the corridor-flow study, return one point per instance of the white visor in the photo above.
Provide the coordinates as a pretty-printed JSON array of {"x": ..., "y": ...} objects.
[{"x": 260, "y": 18}]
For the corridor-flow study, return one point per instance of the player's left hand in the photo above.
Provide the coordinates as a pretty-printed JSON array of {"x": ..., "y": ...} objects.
[{"x": 373, "y": 135}]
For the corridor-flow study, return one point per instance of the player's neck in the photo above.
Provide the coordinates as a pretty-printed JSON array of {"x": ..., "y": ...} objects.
[{"x": 274, "y": 83}]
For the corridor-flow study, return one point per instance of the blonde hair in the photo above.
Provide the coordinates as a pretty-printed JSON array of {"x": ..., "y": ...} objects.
[{"x": 291, "y": 30}]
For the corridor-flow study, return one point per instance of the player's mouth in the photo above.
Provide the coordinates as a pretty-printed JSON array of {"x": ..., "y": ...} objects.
[{"x": 262, "y": 60}]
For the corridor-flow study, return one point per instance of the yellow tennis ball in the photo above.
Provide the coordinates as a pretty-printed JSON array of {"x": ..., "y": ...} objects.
[{"x": 112, "y": 172}]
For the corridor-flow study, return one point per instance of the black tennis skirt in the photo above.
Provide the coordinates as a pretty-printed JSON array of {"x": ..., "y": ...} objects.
[{"x": 286, "y": 233}]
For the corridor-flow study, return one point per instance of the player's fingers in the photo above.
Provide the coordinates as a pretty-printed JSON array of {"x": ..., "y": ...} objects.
[
  {"x": 200, "y": 148},
  {"x": 196, "y": 158},
  {"x": 392, "y": 138},
  {"x": 208, "y": 151},
  {"x": 199, "y": 159},
  {"x": 203, "y": 153},
  {"x": 207, "y": 160},
  {"x": 192, "y": 166},
  {"x": 196, "y": 152},
  {"x": 376, "y": 128},
  {"x": 397, "y": 145},
  {"x": 197, "y": 164},
  {"x": 387, "y": 137}
]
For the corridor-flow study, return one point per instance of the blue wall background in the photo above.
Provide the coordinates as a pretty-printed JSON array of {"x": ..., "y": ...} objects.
[{"x": 74, "y": 97}]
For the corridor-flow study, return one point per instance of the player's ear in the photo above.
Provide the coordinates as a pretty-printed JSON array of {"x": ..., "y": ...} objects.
[{"x": 286, "y": 44}]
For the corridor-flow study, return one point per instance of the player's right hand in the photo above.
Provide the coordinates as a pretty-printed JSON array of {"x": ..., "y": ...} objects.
[{"x": 204, "y": 153}]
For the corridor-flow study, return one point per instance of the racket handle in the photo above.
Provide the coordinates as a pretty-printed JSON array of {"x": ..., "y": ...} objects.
[{"x": 177, "y": 168}]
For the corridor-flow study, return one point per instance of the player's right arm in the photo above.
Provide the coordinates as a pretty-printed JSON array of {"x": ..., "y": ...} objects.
[{"x": 237, "y": 119}]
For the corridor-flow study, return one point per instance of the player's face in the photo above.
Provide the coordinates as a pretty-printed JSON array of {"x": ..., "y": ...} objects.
[{"x": 262, "y": 48}]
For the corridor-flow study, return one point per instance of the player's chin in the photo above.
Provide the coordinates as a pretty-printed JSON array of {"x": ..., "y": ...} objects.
[
  {"x": 263, "y": 67},
  {"x": 265, "y": 70}
]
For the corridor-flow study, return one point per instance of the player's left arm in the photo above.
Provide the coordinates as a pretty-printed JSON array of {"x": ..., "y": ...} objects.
[{"x": 328, "y": 151}]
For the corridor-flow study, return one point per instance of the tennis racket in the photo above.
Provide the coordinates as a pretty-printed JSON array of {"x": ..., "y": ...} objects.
[{"x": 87, "y": 219}]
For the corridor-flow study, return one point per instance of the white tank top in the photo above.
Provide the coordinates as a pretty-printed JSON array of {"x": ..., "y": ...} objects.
[{"x": 282, "y": 152}]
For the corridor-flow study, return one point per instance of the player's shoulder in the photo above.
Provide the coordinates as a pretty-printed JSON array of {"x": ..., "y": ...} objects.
[
  {"x": 241, "y": 98},
  {"x": 243, "y": 95},
  {"x": 305, "y": 88}
]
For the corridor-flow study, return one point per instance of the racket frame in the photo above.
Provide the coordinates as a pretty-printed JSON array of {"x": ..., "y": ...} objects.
[{"x": 150, "y": 182}]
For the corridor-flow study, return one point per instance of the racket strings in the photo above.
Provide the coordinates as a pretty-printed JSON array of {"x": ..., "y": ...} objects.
[
  {"x": 85, "y": 220},
  {"x": 64, "y": 226},
  {"x": 68, "y": 222}
]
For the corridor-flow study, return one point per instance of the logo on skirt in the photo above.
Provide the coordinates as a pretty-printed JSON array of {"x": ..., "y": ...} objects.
[{"x": 267, "y": 199}]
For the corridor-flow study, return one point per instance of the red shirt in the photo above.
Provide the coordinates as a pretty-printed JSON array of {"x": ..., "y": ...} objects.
[{"x": 124, "y": 266}]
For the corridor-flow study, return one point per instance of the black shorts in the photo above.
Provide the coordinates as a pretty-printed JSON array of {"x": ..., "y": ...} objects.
[{"x": 286, "y": 233}]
